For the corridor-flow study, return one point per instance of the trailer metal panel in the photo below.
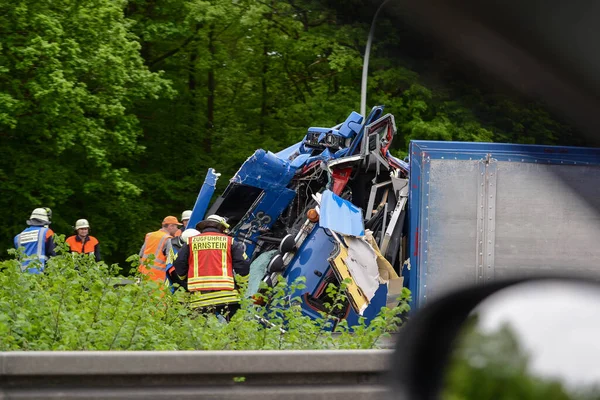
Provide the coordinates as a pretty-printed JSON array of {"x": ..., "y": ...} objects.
[{"x": 481, "y": 211}]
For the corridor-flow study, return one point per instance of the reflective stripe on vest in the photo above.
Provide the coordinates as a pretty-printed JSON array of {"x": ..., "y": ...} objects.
[
  {"x": 176, "y": 244},
  {"x": 200, "y": 299},
  {"x": 154, "y": 244},
  {"x": 33, "y": 240},
  {"x": 160, "y": 261},
  {"x": 210, "y": 263}
]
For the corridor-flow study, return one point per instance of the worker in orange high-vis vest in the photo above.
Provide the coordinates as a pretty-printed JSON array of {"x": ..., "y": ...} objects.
[
  {"x": 208, "y": 261},
  {"x": 82, "y": 242},
  {"x": 158, "y": 244}
]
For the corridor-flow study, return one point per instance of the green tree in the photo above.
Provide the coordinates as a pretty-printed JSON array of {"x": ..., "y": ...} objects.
[
  {"x": 248, "y": 74},
  {"x": 494, "y": 365},
  {"x": 114, "y": 110},
  {"x": 69, "y": 74}
]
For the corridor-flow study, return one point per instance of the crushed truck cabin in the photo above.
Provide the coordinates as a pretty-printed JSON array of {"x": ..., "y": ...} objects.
[{"x": 338, "y": 205}]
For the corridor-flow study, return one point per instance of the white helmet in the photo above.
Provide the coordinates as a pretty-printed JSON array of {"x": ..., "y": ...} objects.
[
  {"x": 187, "y": 214},
  {"x": 188, "y": 233},
  {"x": 218, "y": 219},
  {"x": 82, "y": 223},
  {"x": 41, "y": 214},
  {"x": 213, "y": 218}
]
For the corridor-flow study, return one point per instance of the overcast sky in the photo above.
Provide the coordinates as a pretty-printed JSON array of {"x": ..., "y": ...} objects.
[{"x": 557, "y": 323}]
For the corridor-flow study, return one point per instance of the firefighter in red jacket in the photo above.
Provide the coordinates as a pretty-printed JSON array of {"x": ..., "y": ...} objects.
[{"x": 207, "y": 263}]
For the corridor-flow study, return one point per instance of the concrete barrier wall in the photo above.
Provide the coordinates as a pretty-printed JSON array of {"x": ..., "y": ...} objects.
[{"x": 247, "y": 375}]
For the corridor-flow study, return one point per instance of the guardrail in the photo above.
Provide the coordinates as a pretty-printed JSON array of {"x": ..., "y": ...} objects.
[{"x": 227, "y": 375}]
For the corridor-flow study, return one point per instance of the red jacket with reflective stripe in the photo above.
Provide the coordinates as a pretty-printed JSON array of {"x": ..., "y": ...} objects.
[{"x": 210, "y": 263}]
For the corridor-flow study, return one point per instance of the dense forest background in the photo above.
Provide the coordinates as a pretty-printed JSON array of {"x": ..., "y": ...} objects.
[{"x": 112, "y": 110}]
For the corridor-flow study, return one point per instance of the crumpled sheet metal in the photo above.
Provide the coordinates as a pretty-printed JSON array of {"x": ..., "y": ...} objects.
[
  {"x": 288, "y": 152},
  {"x": 340, "y": 215},
  {"x": 352, "y": 125},
  {"x": 300, "y": 160},
  {"x": 264, "y": 170},
  {"x": 358, "y": 299},
  {"x": 362, "y": 264},
  {"x": 400, "y": 163}
]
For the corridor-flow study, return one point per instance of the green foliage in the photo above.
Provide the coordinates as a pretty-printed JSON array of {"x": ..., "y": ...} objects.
[
  {"x": 70, "y": 73},
  {"x": 78, "y": 304},
  {"x": 365, "y": 336},
  {"x": 114, "y": 110},
  {"x": 494, "y": 365}
]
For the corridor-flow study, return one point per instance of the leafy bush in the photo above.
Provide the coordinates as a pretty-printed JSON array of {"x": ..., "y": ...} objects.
[{"x": 77, "y": 304}]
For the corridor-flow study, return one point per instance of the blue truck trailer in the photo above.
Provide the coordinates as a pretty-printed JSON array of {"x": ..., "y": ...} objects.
[
  {"x": 485, "y": 211},
  {"x": 338, "y": 205}
]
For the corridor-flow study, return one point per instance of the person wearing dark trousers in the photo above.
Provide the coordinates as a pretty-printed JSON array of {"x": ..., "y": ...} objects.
[{"x": 207, "y": 263}]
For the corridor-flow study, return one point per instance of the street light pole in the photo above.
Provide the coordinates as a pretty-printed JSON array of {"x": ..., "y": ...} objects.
[{"x": 365, "y": 72}]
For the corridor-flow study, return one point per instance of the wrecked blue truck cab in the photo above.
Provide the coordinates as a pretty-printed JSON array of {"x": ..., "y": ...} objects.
[
  {"x": 313, "y": 261},
  {"x": 311, "y": 209},
  {"x": 337, "y": 205}
]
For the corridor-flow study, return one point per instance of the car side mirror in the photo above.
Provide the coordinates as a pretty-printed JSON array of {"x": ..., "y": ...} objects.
[{"x": 533, "y": 338}]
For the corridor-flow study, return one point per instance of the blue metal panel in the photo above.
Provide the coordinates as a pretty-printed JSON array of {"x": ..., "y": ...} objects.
[
  {"x": 300, "y": 160},
  {"x": 375, "y": 113},
  {"x": 264, "y": 170},
  {"x": 378, "y": 301},
  {"x": 414, "y": 199},
  {"x": 311, "y": 261},
  {"x": 424, "y": 188},
  {"x": 206, "y": 192},
  {"x": 398, "y": 161},
  {"x": 340, "y": 215},
  {"x": 422, "y": 152},
  {"x": 263, "y": 216},
  {"x": 295, "y": 154},
  {"x": 509, "y": 152},
  {"x": 341, "y": 152},
  {"x": 352, "y": 125},
  {"x": 324, "y": 156},
  {"x": 287, "y": 152}
]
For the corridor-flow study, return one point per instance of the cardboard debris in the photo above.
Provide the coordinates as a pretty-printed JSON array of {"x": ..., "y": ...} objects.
[
  {"x": 386, "y": 271},
  {"x": 362, "y": 263},
  {"x": 357, "y": 298}
]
